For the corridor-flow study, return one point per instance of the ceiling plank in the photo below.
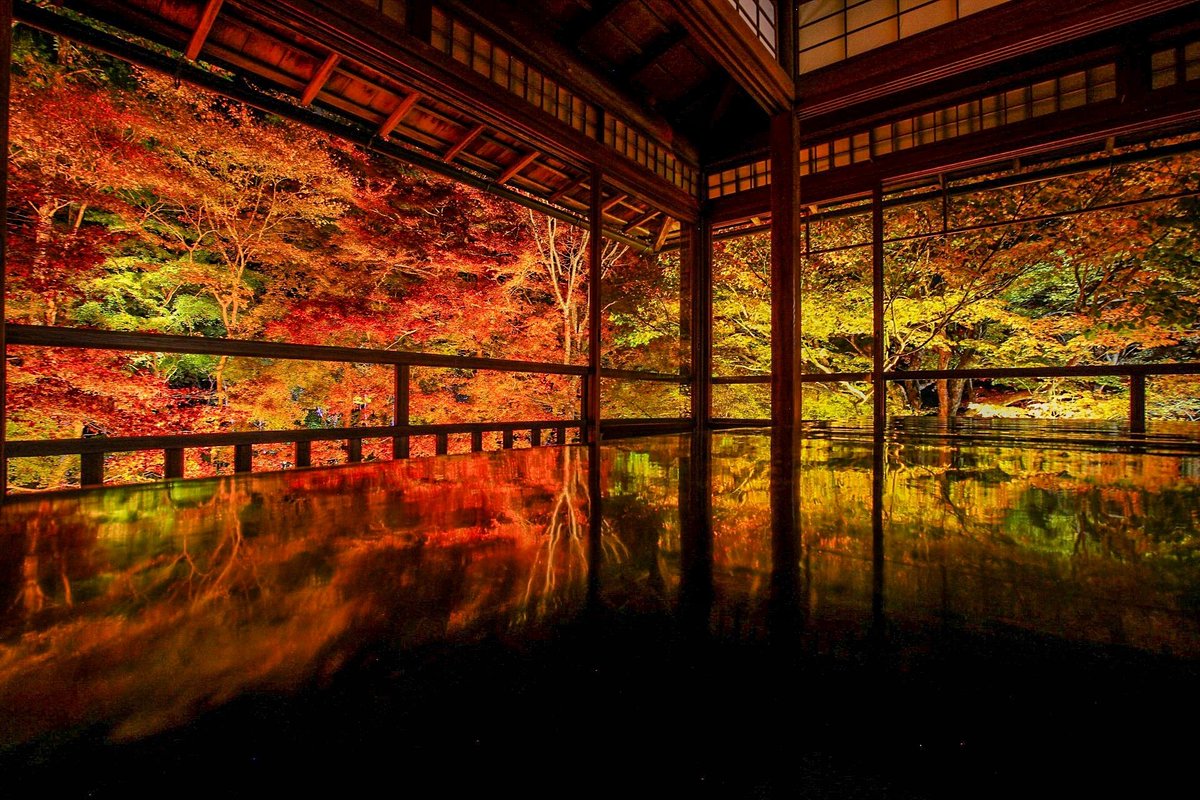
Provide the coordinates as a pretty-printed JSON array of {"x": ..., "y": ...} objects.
[
  {"x": 458, "y": 146},
  {"x": 397, "y": 116},
  {"x": 319, "y": 78},
  {"x": 653, "y": 51},
  {"x": 521, "y": 163},
  {"x": 207, "y": 17}
]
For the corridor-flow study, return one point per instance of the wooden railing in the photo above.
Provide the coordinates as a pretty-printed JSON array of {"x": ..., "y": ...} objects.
[
  {"x": 1135, "y": 373},
  {"x": 92, "y": 451}
]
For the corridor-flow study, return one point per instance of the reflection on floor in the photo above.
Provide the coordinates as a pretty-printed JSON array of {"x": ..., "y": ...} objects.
[{"x": 831, "y": 615}]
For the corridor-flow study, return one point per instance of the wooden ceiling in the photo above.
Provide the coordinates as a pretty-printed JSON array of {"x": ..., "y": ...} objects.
[{"x": 619, "y": 84}]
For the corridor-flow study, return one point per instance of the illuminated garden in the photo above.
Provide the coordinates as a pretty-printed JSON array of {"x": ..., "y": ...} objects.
[{"x": 732, "y": 398}]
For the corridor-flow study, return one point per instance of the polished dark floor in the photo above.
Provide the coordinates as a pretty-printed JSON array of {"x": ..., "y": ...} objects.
[{"x": 973, "y": 612}]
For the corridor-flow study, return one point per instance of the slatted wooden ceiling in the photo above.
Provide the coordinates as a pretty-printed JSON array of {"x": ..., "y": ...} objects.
[{"x": 636, "y": 44}]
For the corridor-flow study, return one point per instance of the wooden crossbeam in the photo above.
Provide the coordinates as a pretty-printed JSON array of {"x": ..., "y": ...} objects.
[
  {"x": 521, "y": 163},
  {"x": 319, "y": 79},
  {"x": 591, "y": 20},
  {"x": 637, "y": 223},
  {"x": 663, "y": 231},
  {"x": 207, "y": 17},
  {"x": 397, "y": 116},
  {"x": 613, "y": 203},
  {"x": 458, "y": 146}
]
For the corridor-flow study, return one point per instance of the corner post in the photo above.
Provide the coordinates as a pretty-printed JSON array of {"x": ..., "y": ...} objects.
[
  {"x": 878, "y": 351},
  {"x": 786, "y": 243},
  {"x": 591, "y": 421}
]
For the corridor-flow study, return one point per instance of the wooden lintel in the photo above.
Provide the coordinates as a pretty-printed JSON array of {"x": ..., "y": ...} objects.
[
  {"x": 398, "y": 115},
  {"x": 207, "y": 17},
  {"x": 663, "y": 232},
  {"x": 458, "y": 146},
  {"x": 614, "y": 202},
  {"x": 637, "y": 223},
  {"x": 521, "y": 163},
  {"x": 319, "y": 79}
]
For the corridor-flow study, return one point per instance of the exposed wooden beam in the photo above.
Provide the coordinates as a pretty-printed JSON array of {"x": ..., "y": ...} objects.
[
  {"x": 715, "y": 24},
  {"x": 207, "y": 17},
  {"x": 398, "y": 115},
  {"x": 467, "y": 138},
  {"x": 614, "y": 202},
  {"x": 663, "y": 231},
  {"x": 642, "y": 221},
  {"x": 521, "y": 163},
  {"x": 319, "y": 79}
]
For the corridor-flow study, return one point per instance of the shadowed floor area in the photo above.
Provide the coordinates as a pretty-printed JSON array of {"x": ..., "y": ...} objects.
[{"x": 940, "y": 613}]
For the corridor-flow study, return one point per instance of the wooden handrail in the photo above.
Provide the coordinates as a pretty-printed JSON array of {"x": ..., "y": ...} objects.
[{"x": 51, "y": 336}]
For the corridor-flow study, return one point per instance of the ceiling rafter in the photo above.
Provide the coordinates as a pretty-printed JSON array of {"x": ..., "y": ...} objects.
[
  {"x": 319, "y": 79},
  {"x": 397, "y": 116},
  {"x": 521, "y": 163},
  {"x": 462, "y": 143},
  {"x": 207, "y": 17}
]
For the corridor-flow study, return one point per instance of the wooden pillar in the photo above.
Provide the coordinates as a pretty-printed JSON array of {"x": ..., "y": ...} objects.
[
  {"x": 5, "y": 74},
  {"x": 878, "y": 351},
  {"x": 1137, "y": 402},
  {"x": 173, "y": 462},
  {"x": 698, "y": 320},
  {"x": 303, "y": 454},
  {"x": 786, "y": 242},
  {"x": 353, "y": 450},
  {"x": 441, "y": 443},
  {"x": 591, "y": 428},
  {"x": 476, "y": 441},
  {"x": 506, "y": 439},
  {"x": 535, "y": 437},
  {"x": 785, "y": 35},
  {"x": 400, "y": 448},
  {"x": 243, "y": 458},
  {"x": 91, "y": 469}
]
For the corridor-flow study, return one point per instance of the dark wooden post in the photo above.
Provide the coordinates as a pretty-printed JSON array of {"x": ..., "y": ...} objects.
[
  {"x": 508, "y": 440},
  {"x": 5, "y": 74},
  {"x": 441, "y": 443},
  {"x": 173, "y": 462},
  {"x": 400, "y": 447},
  {"x": 303, "y": 454},
  {"x": 353, "y": 450},
  {"x": 535, "y": 437},
  {"x": 698, "y": 317},
  {"x": 591, "y": 422},
  {"x": 91, "y": 469},
  {"x": 243, "y": 458},
  {"x": 785, "y": 35},
  {"x": 786, "y": 243},
  {"x": 878, "y": 351},
  {"x": 476, "y": 441},
  {"x": 1137, "y": 402},
  {"x": 560, "y": 434}
]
